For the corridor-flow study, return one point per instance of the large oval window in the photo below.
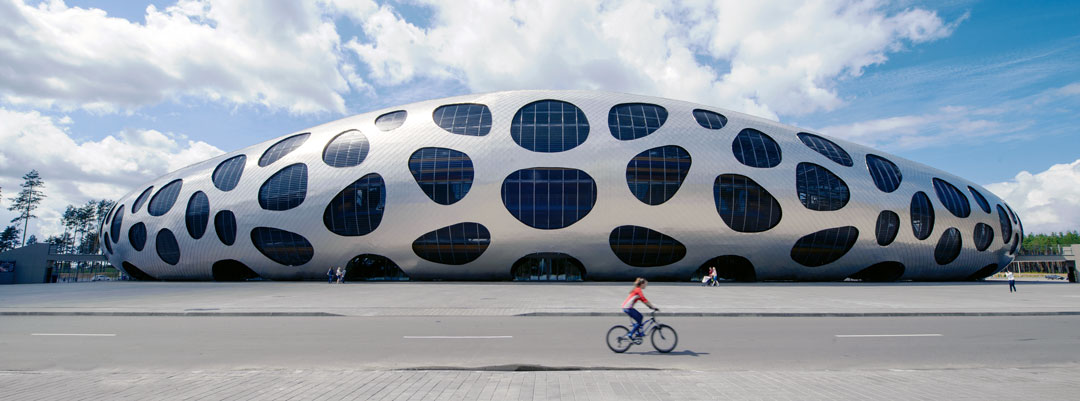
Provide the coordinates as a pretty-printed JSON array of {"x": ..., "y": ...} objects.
[
  {"x": 827, "y": 148},
  {"x": 549, "y": 197},
  {"x": 287, "y": 248},
  {"x": 888, "y": 224},
  {"x": 635, "y": 120},
  {"x": 227, "y": 174},
  {"x": 282, "y": 148},
  {"x": 656, "y": 174},
  {"x": 164, "y": 199},
  {"x": 357, "y": 209},
  {"x": 445, "y": 175},
  {"x": 819, "y": 189},
  {"x": 755, "y": 149},
  {"x": 922, "y": 215},
  {"x": 984, "y": 236},
  {"x": 948, "y": 247},
  {"x": 825, "y": 246},
  {"x": 744, "y": 204},
  {"x": 952, "y": 198},
  {"x": 167, "y": 248},
  {"x": 549, "y": 126},
  {"x": 886, "y": 175},
  {"x": 464, "y": 119},
  {"x": 347, "y": 149},
  {"x": 453, "y": 245},
  {"x": 198, "y": 214},
  {"x": 285, "y": 189},
  {"x": 643, "y": 247}
]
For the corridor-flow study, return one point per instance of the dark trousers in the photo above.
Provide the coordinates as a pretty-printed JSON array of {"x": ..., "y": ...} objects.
[
  {"x": 329, "y": 279},
  {"x": 634, "y": 314},
  {"x": 1012, "y": 285}
]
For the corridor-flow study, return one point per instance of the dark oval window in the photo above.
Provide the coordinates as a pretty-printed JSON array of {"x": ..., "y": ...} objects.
[
  {"x": 287, "y": 248},
  {"x": 445, "y": 175},
  {"x": 744, "y": 204},
  {"x": 549, "y": 126},
  {"x": 167, "y": 248},
  {"x": 1015, "y": 244},
  {"x": 198, "y": 215},
  {"x": 137, "y": 236},
  {"x": 231, "y": 270},
  {"x": 391, "y": 120},
  {"x": 825, "y": 246},
  {"x": 164, "y": 199},
  {"x": 643, "y": 247},
  {"x": 225, "y": 226},
  {"x": 886, "y": 175},
  {"x": 464, "y": 119},
  {"x": 227, "y": 174},
  {"x": 656, "y": 174},
  {"x": 547, "y": 266},
  {"x": 880, "y": 272},
  {"x": 282, "y": 148},
  {"x": 755, "y": 149},
  {"x": 827, "y": 148},
  {"x": 139, "y": 201},
  {"x": 952, "y": 198},
  {"x": 117, "y": 223},
  {"x": 357, "y": 209},
  {"x": 888, "y": 224},
  {"x": 948, "y": 247},
  {"x": 984, "y": 236},
  {"x": 1014, "y": 219},
  {"x": 458, "y": 244},
  {"x": 347, "y": 149},
  {"x": 819, "y": 189},
  {"x": 979, "y": 199},
  {"x": 922, "y": 215},
  {"x": 136, "y": 273},
  {"x": 108, "y": 246},
  {"x": 1006, "y": 225},
  {"x": 286, "y": 189},
  {"x": 634, "y": 120},
  {"x": 710, "y": 119},
  {"x": 549, "y": 197}
]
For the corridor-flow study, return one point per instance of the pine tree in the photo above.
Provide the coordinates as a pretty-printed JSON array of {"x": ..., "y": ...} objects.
[
  {"x": 31, "y": 240},
  {"x": 9, "y": 238},
  {"x": 27, "y": 200}
]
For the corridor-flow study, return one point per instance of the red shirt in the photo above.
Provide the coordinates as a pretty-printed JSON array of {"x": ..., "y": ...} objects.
[{"x": 635, "y": 295}]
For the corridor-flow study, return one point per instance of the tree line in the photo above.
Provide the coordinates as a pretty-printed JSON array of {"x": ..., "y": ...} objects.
[
  {"x": 80, "y": 222},
  {"x": 1039, "y": 241}
]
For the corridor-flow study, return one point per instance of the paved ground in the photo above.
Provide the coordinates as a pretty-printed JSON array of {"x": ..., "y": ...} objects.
[
  {"x": 505, "y": 299},
  {"x": 976, "y": 384},
  {"x": 373, "y": 341}
]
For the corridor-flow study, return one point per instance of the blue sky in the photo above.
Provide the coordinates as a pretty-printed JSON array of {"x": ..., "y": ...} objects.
[{"x": 985, "y": 90}]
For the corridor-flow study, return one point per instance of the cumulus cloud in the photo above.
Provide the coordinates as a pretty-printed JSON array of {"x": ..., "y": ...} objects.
[
  {"x": 76, "y": 171},
  {"x": 765, "y": 57},
  {"x": 282, "y": 55},
  {"x": 1048, "y": 201}
]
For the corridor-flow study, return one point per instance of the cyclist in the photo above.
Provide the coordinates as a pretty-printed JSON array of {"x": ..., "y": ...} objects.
[{"x": 628, "y": 305}]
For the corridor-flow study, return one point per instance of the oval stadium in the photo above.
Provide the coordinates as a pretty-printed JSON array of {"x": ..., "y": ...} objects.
[{"x": 560, "y": 185}]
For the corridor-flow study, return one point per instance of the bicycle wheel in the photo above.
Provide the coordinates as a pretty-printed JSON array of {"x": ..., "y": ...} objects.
[
  {"x": 664, "y": 338},
  {"x": 618, "y": 339}
]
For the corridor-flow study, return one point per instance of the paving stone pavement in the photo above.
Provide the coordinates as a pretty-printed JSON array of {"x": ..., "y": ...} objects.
[{"x": 1050, "y": 383}]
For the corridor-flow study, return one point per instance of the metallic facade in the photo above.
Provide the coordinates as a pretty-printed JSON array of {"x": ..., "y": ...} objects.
[{"x": 690, "y": 215}]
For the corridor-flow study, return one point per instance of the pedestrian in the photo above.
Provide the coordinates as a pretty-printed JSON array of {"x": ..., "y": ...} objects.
[
  {"x": 340, "y": 276},
  {"x": 1012, "y": 281},
  {"x": 330, "y": 275},
  {"x": 712, "y": 277}
]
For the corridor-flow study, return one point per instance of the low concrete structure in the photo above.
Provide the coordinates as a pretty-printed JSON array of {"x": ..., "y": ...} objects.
[{"x": 40, "y": 263}]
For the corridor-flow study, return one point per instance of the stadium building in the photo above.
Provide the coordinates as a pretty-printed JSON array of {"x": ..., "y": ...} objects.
[{"x": 560, "y": 185}]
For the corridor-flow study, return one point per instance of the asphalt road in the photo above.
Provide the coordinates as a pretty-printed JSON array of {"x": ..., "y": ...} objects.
[{"x": 710, "y": 344}]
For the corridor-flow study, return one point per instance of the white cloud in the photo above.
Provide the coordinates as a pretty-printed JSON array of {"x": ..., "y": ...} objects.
[
  {"x": 1048, "y": 201},
  {"x": 77, "y": 171},
  {"x": 764, "y": 57},
  {"x": 282, "y": 55}
]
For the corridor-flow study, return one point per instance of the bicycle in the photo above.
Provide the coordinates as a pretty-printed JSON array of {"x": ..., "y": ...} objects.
[{"x": 663, "y": 337}]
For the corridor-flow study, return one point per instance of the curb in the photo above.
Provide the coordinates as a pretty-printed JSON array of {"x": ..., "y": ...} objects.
[
  {"x": 808, "y": 314},
  {"x": 199, "y": 314}
]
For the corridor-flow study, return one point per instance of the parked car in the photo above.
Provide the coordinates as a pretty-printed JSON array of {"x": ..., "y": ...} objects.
[
  {"x": 100, "y": 277},
  {"x": 1055, "y": 277}
]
